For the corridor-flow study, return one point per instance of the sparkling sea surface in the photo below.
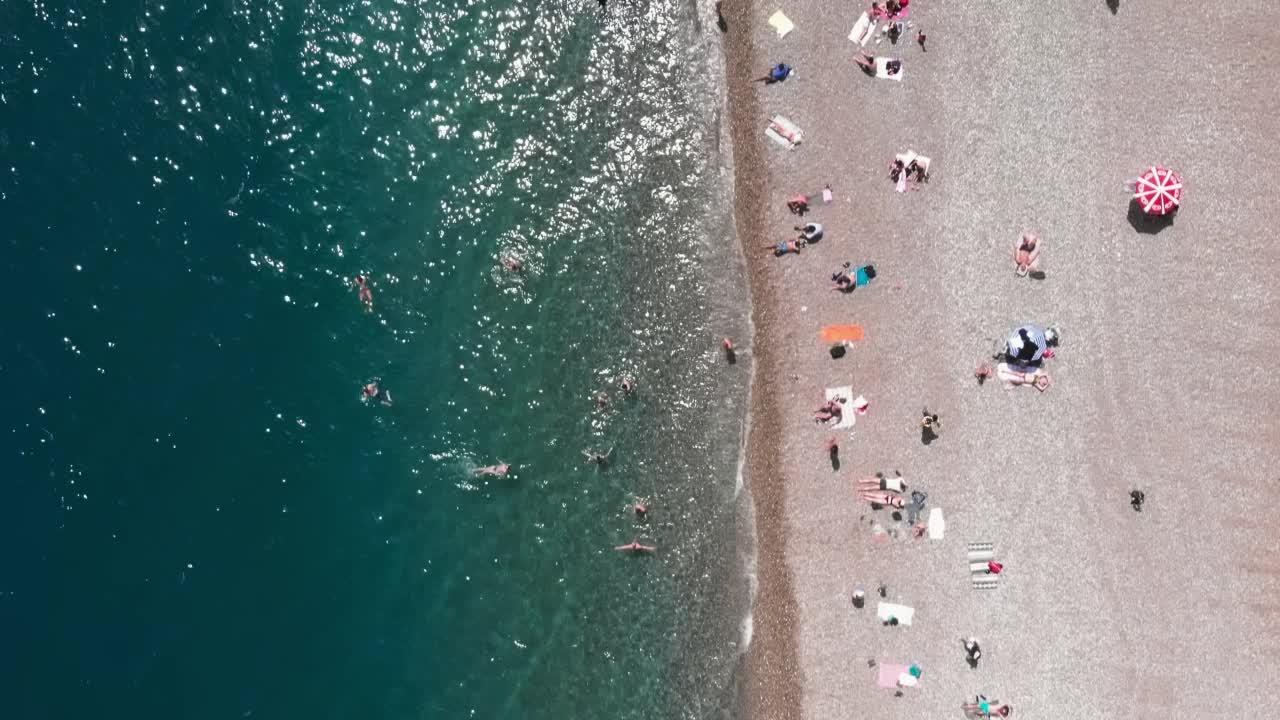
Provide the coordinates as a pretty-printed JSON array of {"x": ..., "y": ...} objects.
[{"x": 201, "y": 517}]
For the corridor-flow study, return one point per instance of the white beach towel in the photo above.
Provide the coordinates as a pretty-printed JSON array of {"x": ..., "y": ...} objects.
[
  {"x": 845, "y": 393},
  {"x": 937, "y": 525},
  {"x": 905, "y": 615},
  {"x": 781, "y": 23},
  {"x": 882, "y": 70},
  {"x": 862, "y": 30}
]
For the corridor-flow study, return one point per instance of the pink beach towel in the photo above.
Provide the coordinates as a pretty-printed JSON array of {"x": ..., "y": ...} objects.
[{"x": 889, "y": 673}]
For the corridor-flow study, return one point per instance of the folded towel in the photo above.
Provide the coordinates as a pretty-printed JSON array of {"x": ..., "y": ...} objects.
[{"x": 781, "y": 23}]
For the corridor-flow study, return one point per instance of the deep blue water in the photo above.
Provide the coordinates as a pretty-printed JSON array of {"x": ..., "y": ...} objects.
[{"x": 202, "y": 519}]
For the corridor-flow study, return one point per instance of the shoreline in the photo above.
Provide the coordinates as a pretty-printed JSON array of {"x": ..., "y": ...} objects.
[{"x": 767, "y": 681}]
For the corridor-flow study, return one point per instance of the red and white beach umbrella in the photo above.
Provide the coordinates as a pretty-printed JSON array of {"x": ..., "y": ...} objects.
[{"x": 1159, "y": 191}]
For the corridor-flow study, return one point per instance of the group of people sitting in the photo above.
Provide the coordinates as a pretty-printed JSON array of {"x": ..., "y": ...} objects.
[
  {"x": 847, "y": 279},
  {"x": 1025, "y": 350},
  {"x": 908, "y": 164},
  {"x": 889, "y": 10},
  {"x": 810, "y": 233}
]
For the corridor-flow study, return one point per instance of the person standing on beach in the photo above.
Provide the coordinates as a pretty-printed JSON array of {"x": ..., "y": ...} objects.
[
  {"x": 730, "y": 354},
  {"x": 971, "y": 650}
]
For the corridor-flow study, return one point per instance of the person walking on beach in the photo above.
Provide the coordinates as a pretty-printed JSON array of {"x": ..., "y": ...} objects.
[
  {"x": 971, "y": 650},
  {"x": 930, "y": 424},
  {"x": 730, "y": 354},
  {"x": 635, "y": 547},
  {"x": 777, "y": 74}
]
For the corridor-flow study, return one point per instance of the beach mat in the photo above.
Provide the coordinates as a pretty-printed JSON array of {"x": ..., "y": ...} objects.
[
  {"x": 847, "y": 418},
  {"x": 904, "y": 614},
  {"x": 887, "y": 677},
  {"x": 937, "y": 524},
  {"x": 862, "y": 30},
  {"x": 832, "y": 334},
  {"x": 882, "y": 70},
  {"x": 781, "y": 23}
]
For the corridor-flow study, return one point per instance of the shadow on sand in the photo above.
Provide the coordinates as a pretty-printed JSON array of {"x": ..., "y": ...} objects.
[{"x": 1148, "y": 224}]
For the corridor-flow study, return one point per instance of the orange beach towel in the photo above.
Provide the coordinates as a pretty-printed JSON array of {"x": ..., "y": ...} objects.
[{"x": 832, "y": 334}]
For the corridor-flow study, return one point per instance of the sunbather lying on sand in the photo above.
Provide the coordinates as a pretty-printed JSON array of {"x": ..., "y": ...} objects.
[
  {"x": 787, "y": 246},
  {"x": 1015, "y": 375},
  {"x": 880, "y": 497},
  {"x": 798, "y": 204},
  {"x": 868, "y": 65},
  {"x": 882, "y": 482}
]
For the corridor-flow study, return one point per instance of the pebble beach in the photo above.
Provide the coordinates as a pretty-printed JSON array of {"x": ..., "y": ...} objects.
[{"x": 1033, "y": 118}]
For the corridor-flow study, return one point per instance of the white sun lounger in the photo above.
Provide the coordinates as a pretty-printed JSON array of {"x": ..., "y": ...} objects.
[
  {"x": 905, "y": 614},
  {"x": 882, "y": 69},
  {"x": 862, "y": 31},
  {"x": 781, "y": 23},
  {"x": 847, "y": 418}
]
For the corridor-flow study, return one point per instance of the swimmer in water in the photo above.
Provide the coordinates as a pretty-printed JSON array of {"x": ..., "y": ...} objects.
[
  {"x": 498, "y": 470},
  {"x": 511, "y": 263},
  {"x": 366, "y": 294},
  {"x": 600, "y": 459},
  {"x": 641, "y": 508},
  {"x": 371, "y": 391},
  {"x": 602, "y": 400},
  {"x": 628, "y": 386},
  {"x": 635, "y": 547}
]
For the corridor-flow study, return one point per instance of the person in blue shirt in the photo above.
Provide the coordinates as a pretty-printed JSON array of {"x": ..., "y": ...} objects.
[{"x": 779, "y": 73}]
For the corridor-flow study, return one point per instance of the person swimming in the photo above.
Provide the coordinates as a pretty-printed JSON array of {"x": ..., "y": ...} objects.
[
  {"x": 366, "y": 294},
  {"x": 601, "y": 459},
  {"x": 499, "y": 470},
  {"x": 635, "y": 547},
  {"x": 373, "y": 391}
]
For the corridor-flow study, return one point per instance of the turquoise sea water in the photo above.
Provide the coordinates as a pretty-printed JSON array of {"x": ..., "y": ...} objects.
[{"x": 203, "y": 520}]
